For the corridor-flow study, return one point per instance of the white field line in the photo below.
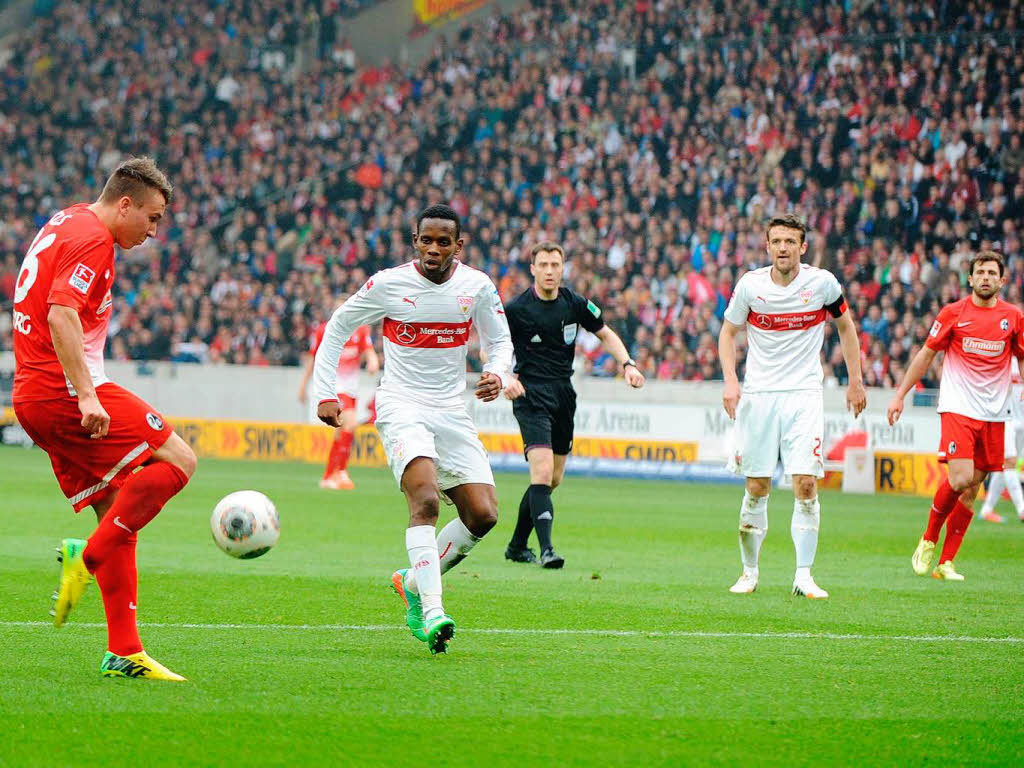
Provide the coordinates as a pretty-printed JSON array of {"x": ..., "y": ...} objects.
[{"x": 571, "y": 632}]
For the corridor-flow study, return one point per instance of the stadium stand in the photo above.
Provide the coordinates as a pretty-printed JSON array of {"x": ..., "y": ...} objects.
[{"x": 652, "y": 138}]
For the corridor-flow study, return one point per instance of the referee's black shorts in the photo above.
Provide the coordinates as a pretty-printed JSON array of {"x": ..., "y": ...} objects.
[{"x": 545, "y": 414}]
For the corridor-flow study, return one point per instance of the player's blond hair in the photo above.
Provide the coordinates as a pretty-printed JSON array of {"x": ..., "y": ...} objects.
[
  {"x": 133, "y": 178},
  {"x": 546, "y": 245},
  {"x": 984, "y": 256}
]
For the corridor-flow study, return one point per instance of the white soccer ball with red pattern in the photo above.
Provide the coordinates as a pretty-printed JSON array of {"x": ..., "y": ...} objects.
[{"x": 245, "y": 524}]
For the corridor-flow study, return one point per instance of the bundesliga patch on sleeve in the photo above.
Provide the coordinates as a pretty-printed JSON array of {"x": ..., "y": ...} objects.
[
  {"x": 81, "y": 278},
  {"x": 936, "y": 327},
  {"x": 594, "y": 309},
  {"x": 366, "y": 287}
]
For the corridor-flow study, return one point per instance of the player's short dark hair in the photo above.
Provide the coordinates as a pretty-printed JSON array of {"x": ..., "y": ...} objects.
[
  {"x": 546, "y": 245},
  {"x": 134, "y": 177},
  {"x": 985, "y": 256},
  {"x": 788, "y": 220},
  {"x": 440, "y": 212}
]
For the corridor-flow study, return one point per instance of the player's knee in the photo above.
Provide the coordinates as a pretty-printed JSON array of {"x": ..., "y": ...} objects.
[
  {"x": 187, "y": 461},
  {"x": 758, "y": 487},
  {"x": 556, "y": 480},
  {"x": 483, "y": 519},
  {"x": 423, "y": 505},
  {"x": 805, "y": 487}
]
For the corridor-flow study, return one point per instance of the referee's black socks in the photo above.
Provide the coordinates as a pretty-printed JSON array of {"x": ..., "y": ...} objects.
[
  {"x": 542, "y": 512},
  {"x": 524, "y": 523}
]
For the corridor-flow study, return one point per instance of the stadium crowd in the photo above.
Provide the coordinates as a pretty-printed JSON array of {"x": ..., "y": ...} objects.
[{"x": 652, "y": 138}]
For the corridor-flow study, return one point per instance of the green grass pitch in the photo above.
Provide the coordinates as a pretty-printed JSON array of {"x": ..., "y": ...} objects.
[{"x": 634, "y": 654}]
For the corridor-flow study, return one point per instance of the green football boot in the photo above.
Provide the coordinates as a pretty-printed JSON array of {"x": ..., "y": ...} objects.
[
  {"x": 413, "y": 607},
  {"x": 439, "y": 632}
]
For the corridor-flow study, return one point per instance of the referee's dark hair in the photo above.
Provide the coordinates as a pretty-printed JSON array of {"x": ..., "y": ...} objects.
[
  {"x": 788, "y": 220},
  {"x": 546, "y": 245},
  {"x": 440, "y": 212}
]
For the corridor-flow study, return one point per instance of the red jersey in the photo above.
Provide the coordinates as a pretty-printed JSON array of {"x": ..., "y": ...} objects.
[
  {"x": 979, "y": 343},
  {"x": 351, "y": 354},
  {"x": 71, "y": 263}
]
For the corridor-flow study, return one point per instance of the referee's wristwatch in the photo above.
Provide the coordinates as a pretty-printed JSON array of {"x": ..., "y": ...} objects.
[{"x": 630, "y": 361}]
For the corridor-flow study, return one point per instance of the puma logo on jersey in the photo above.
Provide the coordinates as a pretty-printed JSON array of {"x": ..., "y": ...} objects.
[{"x": 410, "y": 301}]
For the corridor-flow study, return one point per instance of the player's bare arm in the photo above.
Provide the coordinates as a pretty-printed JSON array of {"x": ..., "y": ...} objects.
[
  {"x": 915, "y": 371},
  {"x": 856, "y": 395},
  {"x": 613, "y": 345},
  {"x": 69, "y": 344},
  {"x": 727, "y": 357}
]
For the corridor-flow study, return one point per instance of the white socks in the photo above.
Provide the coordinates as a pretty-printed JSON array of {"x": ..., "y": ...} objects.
[
  {"x": 431, "y": 557},
  {"x": 753, "y": 528},
  {"x": 454, "y": 542},
  {"x": 425, "y": 572},
  {"x": 804, "y": 529},
  {"x": 995, "y": 490},
  {"x": 1012, "y": 479}
]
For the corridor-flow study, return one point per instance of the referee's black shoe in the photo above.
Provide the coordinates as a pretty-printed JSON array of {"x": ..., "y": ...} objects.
[
  {"x": 517, "y": 555},
  {"x": 550, "y": 559}
]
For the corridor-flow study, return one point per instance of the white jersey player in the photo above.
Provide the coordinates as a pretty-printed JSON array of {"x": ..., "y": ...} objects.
[
  {"x": 1013, "y": 447},
  {"x": 428, "y": 307},
  {"x": 783, "y": 309}
]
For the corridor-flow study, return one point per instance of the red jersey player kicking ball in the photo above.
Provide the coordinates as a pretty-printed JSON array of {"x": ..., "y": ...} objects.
[
  {"x": 359, "y": 347},
  {"x": 979, "y": 335},
  {"x": 428, "y": 307},
  {"x": 96, "y": 433}
]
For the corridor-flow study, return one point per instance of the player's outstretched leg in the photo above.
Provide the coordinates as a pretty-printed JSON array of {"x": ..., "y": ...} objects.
[
  {"x": 74, "y": 578},
  {"x": 804, "y": 530},
  {"x": 753, "y": 529}
]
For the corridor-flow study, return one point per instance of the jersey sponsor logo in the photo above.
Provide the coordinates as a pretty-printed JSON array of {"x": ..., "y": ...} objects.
[
  {"x": 594, "y": 309},
  {"x": 81, "y": 279},
  {"x": 788, "y": 321},
  {"x": 154, "y": 421},
  {"x": 983, "y": 347},
  {"x": 569, "y": 332},
  {"x": 1004, "y": 324},
  {"x": 465, "y": 302},
  {"x": 429, "y": 335}
]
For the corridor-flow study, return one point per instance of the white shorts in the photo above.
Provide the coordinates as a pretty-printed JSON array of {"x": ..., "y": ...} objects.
[
  {"x": 1013, "y": 440},
  {"x": 449, "y": 437},
  {"x": 774, "y": 425}
]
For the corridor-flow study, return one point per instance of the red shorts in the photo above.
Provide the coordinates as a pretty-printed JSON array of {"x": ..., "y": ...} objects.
[
  {"x": 88, "y": 469},
  {"x": 348, "y": 403},
  {"x": 967, "y": 438}
]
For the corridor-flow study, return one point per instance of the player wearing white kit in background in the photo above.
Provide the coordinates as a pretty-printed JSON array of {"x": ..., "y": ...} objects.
[
  {"x": 783, "y": 309},
  {"x": 1013, "y": 437},
  {"x": 428, "y": 307}
]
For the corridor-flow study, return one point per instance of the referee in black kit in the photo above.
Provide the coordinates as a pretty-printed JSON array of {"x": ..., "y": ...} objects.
[{"x": 544, "y": 321}]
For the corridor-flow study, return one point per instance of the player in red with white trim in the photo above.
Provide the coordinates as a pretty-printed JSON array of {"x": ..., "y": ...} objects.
[
  {"x": 979, "y": 335},
  {"x": 783, "y": 309},
  {"x": 358, "y": 348},
  {"x": 428, "y": 307},
  {"x": 95, "y": 432}
]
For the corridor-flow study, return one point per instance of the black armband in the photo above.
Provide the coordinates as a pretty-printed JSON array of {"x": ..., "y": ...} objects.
[{"x": 837, "y": 307}]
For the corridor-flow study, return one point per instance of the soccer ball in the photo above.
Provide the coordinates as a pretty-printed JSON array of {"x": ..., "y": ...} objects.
[{"x": 245, "y": 524}]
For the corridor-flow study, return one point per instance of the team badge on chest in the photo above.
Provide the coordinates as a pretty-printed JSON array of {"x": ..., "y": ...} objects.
[
  {"x": 1004, "y": 324},
  {"x": 465, "y": 302},
  {"x": 805, "y": 296}
]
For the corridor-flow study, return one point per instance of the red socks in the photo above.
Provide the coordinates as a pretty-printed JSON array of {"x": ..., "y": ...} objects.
[
  {"x": 341, "y": 449},
  {"x": 118, "y": 581},
  {"x": 957, "y": 526},
  {"x": 945, "y": 499},
  {"x": 138, "y": 502}
]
